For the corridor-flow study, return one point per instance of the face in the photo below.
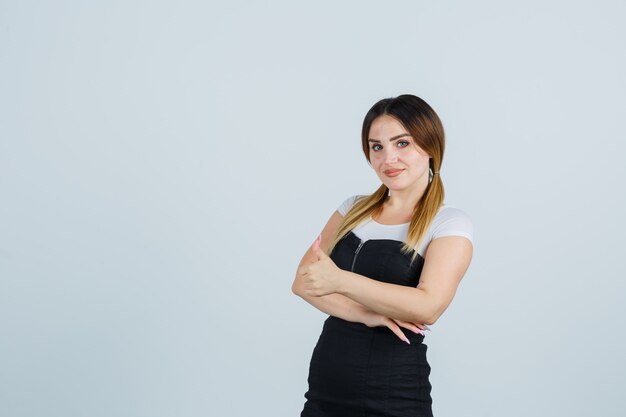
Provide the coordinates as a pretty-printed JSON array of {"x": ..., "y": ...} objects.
[{"x": 398, "y": 161}]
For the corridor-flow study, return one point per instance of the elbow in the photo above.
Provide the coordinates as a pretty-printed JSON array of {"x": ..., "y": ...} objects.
[
  {"x": 295, "y": 289},
  {"x": 435, "y": 313},
  {"x": 429, "y": 316},
  {"x": 432, "y": 319},
  {"x": 422, "y": 317},
  {"x": 429, "y": 309}
]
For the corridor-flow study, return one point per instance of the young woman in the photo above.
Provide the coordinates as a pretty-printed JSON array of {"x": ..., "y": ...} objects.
[{"x": 385, "y": 266}]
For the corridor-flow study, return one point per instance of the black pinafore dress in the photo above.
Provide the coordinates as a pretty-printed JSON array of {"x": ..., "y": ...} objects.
[{"x": 363, "y": 371}]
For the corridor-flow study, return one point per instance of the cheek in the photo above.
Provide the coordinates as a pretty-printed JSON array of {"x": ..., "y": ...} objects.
[
  {"x": 418, "y": 156},
  {"x": 376, "y": 163},
  {"x": 374, "y": 157}
]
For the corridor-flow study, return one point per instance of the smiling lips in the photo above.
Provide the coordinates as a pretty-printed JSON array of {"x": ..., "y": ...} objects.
[{"x": 393, "y": 172}]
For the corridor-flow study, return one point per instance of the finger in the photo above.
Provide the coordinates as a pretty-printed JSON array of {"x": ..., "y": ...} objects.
[
  {"x": 303, "y": 270},
  {"x": 397, "y": 331},
  {"x": 407, "y": 325},
  {"x": 312, "y": 292},
  {"x": 421, "y": 326},
  {"x": 411, "y": 326},
  {"x": 316, "y": 242},
  {"x": 317, "y": 250}
]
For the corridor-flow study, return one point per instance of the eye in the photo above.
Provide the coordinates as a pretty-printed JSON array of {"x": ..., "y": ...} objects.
[
  {"x": 374, "y": 146},
  {"x": 404, "y": 141}
]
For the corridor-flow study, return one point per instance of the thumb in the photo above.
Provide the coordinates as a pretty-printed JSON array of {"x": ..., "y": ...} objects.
[{"x": 317, "y": 250}]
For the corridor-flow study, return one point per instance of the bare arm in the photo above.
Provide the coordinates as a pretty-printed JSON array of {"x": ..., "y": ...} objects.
[
  {"x": 445, "y": 263},
  {"x": 339, "y": 305}
]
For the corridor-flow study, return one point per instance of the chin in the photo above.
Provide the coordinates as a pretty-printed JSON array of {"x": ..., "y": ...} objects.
[{"x": 395, "y": 187}]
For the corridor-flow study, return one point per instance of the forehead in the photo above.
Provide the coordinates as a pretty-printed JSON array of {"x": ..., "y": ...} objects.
[{"x": 385, "y": 126}]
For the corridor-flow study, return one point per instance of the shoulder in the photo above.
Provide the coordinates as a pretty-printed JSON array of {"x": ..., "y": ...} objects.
[
  {"x": 347, "y": 204},
  {"x": 452, "y": 221}
]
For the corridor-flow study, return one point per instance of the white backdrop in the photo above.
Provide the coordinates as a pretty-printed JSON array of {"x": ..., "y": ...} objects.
[{"x": 164, "y": 166}]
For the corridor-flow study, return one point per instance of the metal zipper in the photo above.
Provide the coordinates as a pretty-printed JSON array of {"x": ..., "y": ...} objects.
[{"x": 355, "y": 254}]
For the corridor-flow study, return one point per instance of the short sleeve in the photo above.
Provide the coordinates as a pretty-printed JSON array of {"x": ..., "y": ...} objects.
[
  {"x": 453, "y": 222},
  {"x": 347, "y": 204}
]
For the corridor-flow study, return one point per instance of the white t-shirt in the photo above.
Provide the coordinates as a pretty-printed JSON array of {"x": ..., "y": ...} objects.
[{"x": 449, "y": 221}]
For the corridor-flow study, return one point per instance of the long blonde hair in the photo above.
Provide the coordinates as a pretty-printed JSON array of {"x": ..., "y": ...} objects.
[{"x": 426, "y": 129}]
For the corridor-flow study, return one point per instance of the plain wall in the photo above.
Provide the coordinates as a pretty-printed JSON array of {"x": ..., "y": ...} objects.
[{"x": 165, "y": 164}]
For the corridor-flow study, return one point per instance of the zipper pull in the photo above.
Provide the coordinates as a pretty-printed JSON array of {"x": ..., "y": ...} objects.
[{"x": 355, "y": 254}]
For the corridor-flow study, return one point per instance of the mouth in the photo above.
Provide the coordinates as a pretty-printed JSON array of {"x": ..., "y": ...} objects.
[{"x": 392, "y": 172}]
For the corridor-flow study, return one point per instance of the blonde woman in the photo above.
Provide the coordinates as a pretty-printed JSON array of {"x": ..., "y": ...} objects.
[{"x": 384, "y": 267}]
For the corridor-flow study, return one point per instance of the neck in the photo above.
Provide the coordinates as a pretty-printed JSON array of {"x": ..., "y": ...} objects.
[{"x": 407, "y": 198}]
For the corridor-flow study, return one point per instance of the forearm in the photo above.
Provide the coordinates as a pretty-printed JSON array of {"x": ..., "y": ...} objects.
[
  {"x": 337, "y": 305},
  {"x": 391, "y": 300}
]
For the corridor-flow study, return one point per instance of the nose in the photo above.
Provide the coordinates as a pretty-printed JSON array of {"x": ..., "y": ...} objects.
[{"x": 391, "y": 156}]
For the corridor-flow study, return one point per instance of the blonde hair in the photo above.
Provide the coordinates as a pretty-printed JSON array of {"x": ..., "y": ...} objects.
[{"x": 426, "y": 129}]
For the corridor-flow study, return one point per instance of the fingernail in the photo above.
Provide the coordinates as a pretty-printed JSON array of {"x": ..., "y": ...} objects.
[
  {"x": 426, "y": 327},
  {"x": 407, "y": 340},
  {"x": 420, "y": 331}
]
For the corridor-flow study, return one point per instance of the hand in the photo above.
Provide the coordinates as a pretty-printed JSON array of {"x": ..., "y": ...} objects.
[
  {"x": 414, "y": 327},
  {"x": 373, "y": 319},
  {"x": 321, "y": 277}
]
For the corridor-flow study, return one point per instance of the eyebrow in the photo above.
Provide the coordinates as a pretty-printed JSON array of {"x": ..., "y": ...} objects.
[{"x": 390, "y": 139}]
